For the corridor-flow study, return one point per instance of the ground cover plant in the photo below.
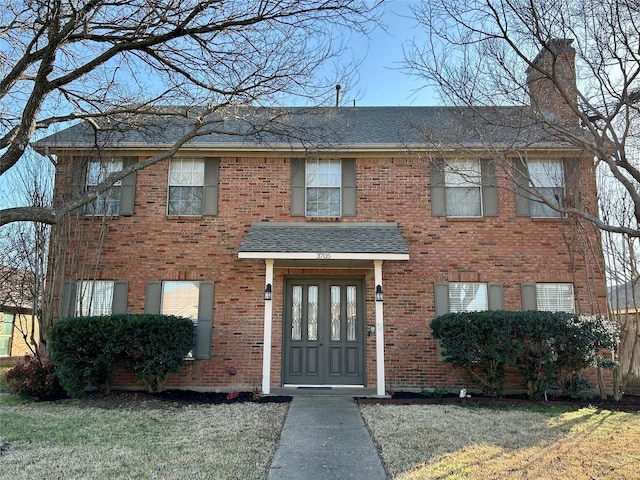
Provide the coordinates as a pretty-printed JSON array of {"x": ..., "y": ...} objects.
[
  {"x": 454, "y": 442},
  {"x": 136, "y": 436}
]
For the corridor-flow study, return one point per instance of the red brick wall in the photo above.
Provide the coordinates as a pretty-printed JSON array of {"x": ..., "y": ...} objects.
[{"x": 149, "y": 246}]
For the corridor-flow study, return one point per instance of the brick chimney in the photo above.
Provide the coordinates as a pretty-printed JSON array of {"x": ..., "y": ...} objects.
[{"x": 552, "y": 81}]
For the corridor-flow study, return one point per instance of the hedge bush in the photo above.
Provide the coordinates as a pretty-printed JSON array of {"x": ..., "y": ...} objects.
[
  {"x": 86, "y": 350},
  {"x": 548, "y": 348},
  {"x": 34, "y": 378}
]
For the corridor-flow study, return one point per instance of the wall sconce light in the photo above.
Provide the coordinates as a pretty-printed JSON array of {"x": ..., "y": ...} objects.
[
  {"x": 267, "y": 292},
  {"x": 379, "y": 295}
]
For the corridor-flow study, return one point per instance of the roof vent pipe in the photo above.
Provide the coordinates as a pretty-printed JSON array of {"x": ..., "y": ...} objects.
[{"x": 337, "y": 95}]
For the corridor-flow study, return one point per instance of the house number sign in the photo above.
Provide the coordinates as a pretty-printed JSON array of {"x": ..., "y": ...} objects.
[{"x": 324, "y": 256}]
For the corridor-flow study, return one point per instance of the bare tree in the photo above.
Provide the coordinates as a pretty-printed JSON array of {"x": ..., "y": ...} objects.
[
  {"x": 623, "y": 273},
  {"x": 24, "y": 250},
  {"x": 483, "y": 53},
  {"x": 113, "y": 64}
]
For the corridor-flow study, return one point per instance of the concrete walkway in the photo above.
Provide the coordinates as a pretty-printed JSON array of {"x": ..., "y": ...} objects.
[{"x": 324, "y": 438}]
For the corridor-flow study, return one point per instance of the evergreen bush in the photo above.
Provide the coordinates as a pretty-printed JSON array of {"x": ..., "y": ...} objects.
[
  {"x": 549, "y": 348},
  {"x": 86, "y": 350}
]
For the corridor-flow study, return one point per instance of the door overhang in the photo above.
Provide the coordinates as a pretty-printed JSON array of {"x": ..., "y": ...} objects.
[
  {"x": 330, "y": 245},
  {"x": 324, "y": 244}
]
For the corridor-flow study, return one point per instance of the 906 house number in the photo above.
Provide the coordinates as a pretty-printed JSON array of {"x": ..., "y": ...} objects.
[{"x": 324, "y": 256}]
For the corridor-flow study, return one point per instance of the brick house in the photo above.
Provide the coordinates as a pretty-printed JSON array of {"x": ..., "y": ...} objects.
[
  {"x": 325, "y": 264},
  {"x": 17, "y": 321}
]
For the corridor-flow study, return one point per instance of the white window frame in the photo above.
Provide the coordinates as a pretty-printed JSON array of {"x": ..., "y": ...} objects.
[
  {"x": 181, "y": 307},
  {"x": 108, "y": 202},
  {"x": 192, "y": 179},
  {"x": 547, "y": 300},
  {"x": 94, "y": 298},
  {"x": 459, "y": 292},
  {"x": 463, "y": 174},
  {"x": 325, "y": 181},
  {"x": 547, "y": 179}
]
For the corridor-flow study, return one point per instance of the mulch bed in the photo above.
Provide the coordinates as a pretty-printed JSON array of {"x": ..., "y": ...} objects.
[{"x": 628, "y": 403}]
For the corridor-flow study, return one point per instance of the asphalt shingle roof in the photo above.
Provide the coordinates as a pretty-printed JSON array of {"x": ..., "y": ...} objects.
[
  {"x": 301, "y": 237},
  {"x": 316, "y": 126}
]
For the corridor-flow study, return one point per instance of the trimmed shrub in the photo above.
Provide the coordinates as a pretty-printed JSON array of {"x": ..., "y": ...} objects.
[
  {"x": 86, "y": 350},
  {"x": 480, "y": 342},
  {"x": 548, "y": 348},
  {"x": 156, "y": 345},
  {"x": 34, "y": 378}
]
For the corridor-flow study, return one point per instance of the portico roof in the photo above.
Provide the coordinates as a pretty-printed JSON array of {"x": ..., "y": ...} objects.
[{"x": 324, "y": 241}]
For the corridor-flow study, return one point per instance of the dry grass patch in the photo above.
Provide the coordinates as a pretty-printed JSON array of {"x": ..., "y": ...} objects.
[
  {"x": 447, "y": 442},
  {"x": 78, "y": 440}
]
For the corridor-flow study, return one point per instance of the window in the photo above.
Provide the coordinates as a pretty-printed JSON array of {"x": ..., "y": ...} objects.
[
  {"x": 186, "y": 186},
  {"x": 323, "y": 188},
  {"x": 180, "y": 299},
  {"x": 94, "y": 298},
  {"x": 468, "y": 297},
  {"x": 6, "y": 333},
  {"x": 555, "y": 297},
  {"x": 108, "y": 202},
  {"x": 463, "y": 184},
  {"x": 547, "y": 180},
  {"x": 463, "y": 188},
  {"x": 189, "y": 299}
]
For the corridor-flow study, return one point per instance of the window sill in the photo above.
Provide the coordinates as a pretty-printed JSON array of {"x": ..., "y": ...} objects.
[
  {"x": 547, "y": 219},
  {"x": 322, "y": 219},
  {"x": 184, "y": 217},
  {"x": 466, "y": 219}
]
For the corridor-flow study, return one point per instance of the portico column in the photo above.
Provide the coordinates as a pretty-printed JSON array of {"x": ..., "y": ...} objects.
[
  {"x": 380, "y": 390},
  {"x": 268, "y": 321}
]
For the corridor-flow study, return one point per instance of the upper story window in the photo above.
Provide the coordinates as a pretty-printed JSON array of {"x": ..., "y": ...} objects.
[
  {"x": 547, "y": 180},
  {"x": 323, "y": 188},
  {"x": 468, "y": 297},
  {"x": 463, "y": 188},
  {"x": 186, "y": 186},
  {"x": 94, "y": 298},
  {"x": 463, "y": 185},
  {"x": 108, "y": 202}
]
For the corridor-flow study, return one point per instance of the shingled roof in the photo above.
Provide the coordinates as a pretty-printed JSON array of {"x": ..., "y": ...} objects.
[
  {"x": 315, "y": 127},
  {"x": 307, "y": 240}
]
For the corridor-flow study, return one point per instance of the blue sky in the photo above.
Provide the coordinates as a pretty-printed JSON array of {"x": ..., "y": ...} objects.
[{"x": 381, "y": 81}]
